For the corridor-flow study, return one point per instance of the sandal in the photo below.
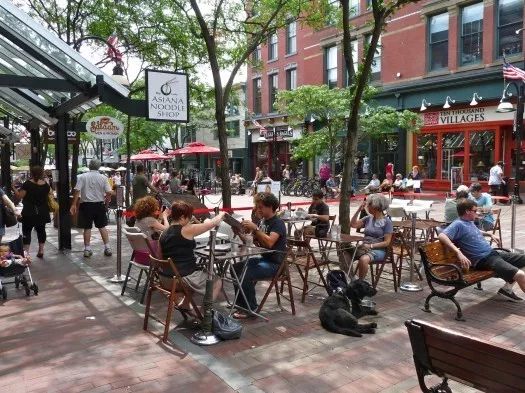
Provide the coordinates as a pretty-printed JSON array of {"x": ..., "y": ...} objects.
[{"x": 242, "y": 315}]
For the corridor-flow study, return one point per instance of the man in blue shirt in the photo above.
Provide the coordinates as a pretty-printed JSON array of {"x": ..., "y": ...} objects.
[{"x": 472, "y": 250}]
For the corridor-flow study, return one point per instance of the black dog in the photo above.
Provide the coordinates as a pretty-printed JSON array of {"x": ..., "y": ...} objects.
[
  {"x": 337, "y": 317},
  {"x": 356, "y": 291}
]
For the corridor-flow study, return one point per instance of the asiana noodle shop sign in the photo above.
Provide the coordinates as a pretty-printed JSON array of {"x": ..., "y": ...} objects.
[
  {"x": 104, "y": 127},
  {"x": 167, "y": 96}
]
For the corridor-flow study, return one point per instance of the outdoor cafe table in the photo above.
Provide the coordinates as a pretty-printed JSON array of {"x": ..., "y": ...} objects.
[
  {"x": 292, "y": 222},
  {"x": 428, "y": 227},
  {"x": 341, "y": 244},
  {"x": 224, "y": 260}
]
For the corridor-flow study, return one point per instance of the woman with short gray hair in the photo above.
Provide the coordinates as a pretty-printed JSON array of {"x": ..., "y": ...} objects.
[{"x": 378, "y": 231}]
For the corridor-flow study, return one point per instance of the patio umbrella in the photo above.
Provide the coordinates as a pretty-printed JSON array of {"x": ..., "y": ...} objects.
[
  {"x": 147, "y": 155},
  {"x": 195, "y": 148},
  {"x": 105, "y": 169},
  {"x": 121, "y": 168}
]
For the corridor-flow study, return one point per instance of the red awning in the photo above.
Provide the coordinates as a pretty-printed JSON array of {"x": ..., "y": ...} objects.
[{"x": 147, "y": 155}]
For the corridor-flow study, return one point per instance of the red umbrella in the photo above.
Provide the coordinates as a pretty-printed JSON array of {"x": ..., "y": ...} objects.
[
  {"x": 147, "y": 155},
  {"x": 195, "y": 148}
]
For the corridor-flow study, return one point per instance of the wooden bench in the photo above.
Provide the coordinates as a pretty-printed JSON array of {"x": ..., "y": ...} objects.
[
  {"x": 486, "y": 366},
  {"x": 442, "y": 268}
]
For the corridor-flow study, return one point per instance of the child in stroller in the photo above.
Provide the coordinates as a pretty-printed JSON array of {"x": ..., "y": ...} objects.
[{"x": 13, "y": 265}]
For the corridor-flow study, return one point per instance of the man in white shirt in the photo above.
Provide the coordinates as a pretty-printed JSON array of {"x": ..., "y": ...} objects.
[
  {"x": 496, "y": 181},
  {"x": 92, "y": 189}
]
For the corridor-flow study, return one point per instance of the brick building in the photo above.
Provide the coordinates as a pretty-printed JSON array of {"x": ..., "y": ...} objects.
[{"x": 429, "y": 51}]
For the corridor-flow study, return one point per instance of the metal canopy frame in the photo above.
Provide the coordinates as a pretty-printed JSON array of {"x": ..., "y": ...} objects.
[{"x": 43, "y": 81}]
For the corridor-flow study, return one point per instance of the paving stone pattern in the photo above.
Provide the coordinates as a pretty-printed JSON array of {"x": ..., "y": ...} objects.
[{"x": 79, "y": 335}]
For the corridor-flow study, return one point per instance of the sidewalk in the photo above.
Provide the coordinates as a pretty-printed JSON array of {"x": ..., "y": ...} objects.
[{"x": 52, "y": 343}]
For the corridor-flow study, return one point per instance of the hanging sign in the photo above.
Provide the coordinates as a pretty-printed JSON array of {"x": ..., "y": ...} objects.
[
  {"x": 104, "y": 127},
  {"x": 167, "y": 96},
  {"x": 73, "y": 137}
]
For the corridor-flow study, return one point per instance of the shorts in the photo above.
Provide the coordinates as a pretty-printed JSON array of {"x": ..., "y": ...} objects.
[
  {"x": 377, "y": 254},
  {"x": 92, "y": 212},
  {"x": 504, "y": 264}
]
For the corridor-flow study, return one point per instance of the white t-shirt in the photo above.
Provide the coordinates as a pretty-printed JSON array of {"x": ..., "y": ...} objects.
[
  {"x": 93, "y": 187},
  {"x": 495, "y": 176}
]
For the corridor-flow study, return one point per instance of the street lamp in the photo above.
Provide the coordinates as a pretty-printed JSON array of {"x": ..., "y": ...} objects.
[{"x": 506, "y": 106}]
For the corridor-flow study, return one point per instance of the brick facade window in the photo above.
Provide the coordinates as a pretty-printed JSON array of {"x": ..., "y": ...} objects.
[
  {"x": 438, "y": 42},
  {"x": 291, "y": 37},
  {"x": 256, "y": 55},
  {"x": 471, "y": 34},
  {"x": 257, "y": 95},
  {"x": 291, "y": 79},
  {"x": 510, "y": 19},
  {"x": 272, "y": 47},
  {"x": 375, "y": 71},
  {"x": 330, "y": 57},
  {"x": 354, "y": 7},
  {"x": 273, "y": 83}
]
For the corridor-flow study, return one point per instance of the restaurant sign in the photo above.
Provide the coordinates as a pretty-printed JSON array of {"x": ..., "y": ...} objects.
[
  {"x": 104, "y": 127},
  {"x": 281, "y": 132},
  {"x": 464, "y": 116},
  {"x": 167, "y": 96}
]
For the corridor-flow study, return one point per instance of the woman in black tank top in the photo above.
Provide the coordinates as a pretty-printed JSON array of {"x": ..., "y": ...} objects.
[{"x": 177, "y": 243}]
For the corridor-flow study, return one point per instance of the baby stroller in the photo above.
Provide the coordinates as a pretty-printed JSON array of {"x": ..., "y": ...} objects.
[{"x": 17, "y": 272}]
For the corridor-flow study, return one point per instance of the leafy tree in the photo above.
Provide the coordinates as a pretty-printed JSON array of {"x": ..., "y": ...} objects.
[
  {"x": 330, "y": 108},
  {"x": 381, "y": 11},
  {"x": 231, "y": 31}
]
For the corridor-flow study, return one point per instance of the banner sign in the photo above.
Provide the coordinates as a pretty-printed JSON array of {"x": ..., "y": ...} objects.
[
  {"x": 464, "y": 116},
  {"x": 104, "y": 127},
  {"x": 167, "y": 96},
  {"x": 50, "y": 136}
]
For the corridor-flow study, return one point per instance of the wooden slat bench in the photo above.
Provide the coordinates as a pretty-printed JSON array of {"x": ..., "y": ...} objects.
[
  {"x": 486, "y": 366},
  {"x": 443, "y": 268}
]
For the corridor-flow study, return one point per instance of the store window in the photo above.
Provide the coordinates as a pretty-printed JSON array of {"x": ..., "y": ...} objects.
[
  {"x": 471, "y": 34},
  {"x": 427, "y": 155},
  {"x": 331, "y": 66},
  {"x": 510, "y": 20},
  {"x": 453, "y": 152},
  {"x": 438, "y": 42},
  {"x": 291, "y": 37},
  {"x": 481, "y": 154}
]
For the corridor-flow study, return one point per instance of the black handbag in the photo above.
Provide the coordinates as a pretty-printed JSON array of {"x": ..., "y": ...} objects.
[
  {"x": 224, "y": 327},
  {"x": 8, "y": 216}
]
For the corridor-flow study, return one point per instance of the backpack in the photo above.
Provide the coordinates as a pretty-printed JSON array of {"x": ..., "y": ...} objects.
[{"x": 336, "y": 279}]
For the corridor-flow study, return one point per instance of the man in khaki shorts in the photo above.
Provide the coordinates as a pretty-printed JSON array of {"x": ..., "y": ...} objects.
[{"x": 92, "y": 189}]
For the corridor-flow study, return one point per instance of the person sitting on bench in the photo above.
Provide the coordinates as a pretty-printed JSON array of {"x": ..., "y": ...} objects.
[{"x": 472, "y": 250}]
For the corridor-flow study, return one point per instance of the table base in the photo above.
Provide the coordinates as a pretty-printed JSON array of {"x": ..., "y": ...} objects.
[
  {"x": 117, "y": 279},
  {"x": 203, "y": 338},
  {"x": 410, "y": 287}
]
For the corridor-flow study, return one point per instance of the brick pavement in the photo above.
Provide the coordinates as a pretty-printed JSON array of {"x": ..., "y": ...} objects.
[{"x": 286, "y": 354}]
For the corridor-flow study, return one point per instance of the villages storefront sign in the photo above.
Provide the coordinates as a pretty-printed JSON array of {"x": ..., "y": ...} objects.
[
  {"x": 464, "y": 116},
  {"x": 104, "y": 127},
  {"x": 167, "y": 96}
]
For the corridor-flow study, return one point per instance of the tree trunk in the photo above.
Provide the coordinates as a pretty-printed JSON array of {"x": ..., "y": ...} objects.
[{"x": 332, "y": 148}]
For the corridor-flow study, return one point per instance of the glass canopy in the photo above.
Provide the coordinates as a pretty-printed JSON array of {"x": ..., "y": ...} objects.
[{"x": 29, "y": 49}]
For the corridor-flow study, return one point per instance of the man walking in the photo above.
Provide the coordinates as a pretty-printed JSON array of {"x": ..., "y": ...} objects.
[
  {"x": 92, "y": 189},
  {"x": 141, "y": 184},
  {"x": 496, "y": 181}
]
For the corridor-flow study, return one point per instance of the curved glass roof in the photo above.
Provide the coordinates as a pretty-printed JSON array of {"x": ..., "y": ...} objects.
[{"x": 29, "y": 49}]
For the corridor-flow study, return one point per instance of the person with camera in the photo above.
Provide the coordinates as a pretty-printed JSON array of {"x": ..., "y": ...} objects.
[{"x": 149, "y": 221}]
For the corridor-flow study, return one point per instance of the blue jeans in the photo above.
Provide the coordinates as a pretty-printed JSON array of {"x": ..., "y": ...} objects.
[{"x": 258, "y": 268}]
